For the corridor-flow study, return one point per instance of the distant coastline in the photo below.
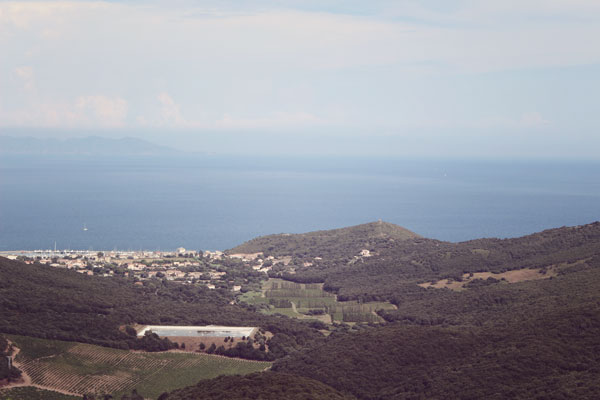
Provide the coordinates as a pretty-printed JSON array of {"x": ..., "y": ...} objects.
[{"x": 217, "y": 202}]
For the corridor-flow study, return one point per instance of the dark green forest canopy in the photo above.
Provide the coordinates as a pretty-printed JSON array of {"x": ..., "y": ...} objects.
[
  {"x": 397, "y": 266},
  {"x": 52, "y": 303},
  {"x": 538, "y": 339},
  {"x": 535, "y": 339},
  {"x": 264, "y": 386},
  {"x": 527, "y": 340},
  {"x": 495, "y": 304}
]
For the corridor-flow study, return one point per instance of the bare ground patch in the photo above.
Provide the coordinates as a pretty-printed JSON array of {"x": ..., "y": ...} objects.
[{"x": 514, "y": 276}]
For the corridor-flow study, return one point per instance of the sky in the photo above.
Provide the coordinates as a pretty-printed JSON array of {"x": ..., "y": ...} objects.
[{"x": 451, "y": 78}]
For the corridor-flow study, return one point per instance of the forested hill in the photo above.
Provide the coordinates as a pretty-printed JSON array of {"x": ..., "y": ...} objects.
[
  {"x": 265, "y": 386},
  {"x": 60, "y": 304},
  {"x": 529, "y": 340},
  {"x": 537, "y": 339},
  {"x": 395, "y": 268},
  {"x": 335, "y": 243}
]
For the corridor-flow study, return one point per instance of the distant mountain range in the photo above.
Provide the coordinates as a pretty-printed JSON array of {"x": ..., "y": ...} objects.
[{"x": 91, "y": 145}]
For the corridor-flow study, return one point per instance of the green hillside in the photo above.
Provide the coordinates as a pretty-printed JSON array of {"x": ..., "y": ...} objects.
[
  {"x": 53, "y": 303},
  {"x": 264, "y": 386},
  {"x": 83, "y": 368},
  {"x": 335, "y": 243},
  {"x": 394, "y": 271},
  {"x": 466, "y": 321},
  {"x": 531, "y": 340}
]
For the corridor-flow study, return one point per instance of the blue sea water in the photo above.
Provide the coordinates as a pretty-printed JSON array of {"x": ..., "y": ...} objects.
[{"x": 217, "y": 202}]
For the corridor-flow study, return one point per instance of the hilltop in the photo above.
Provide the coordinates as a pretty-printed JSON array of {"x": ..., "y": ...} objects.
[
  {"x": 396, "y": 268},
  {"x": 334, "y": 243}
]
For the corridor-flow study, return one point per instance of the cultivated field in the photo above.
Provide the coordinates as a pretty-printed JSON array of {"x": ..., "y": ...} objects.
[
  {"x": 296, "y": 300},
  {"x": 82, "y": 368}
]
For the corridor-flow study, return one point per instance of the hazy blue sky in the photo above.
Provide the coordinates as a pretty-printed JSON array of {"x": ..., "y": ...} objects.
[{"x": 448, "y": 77}]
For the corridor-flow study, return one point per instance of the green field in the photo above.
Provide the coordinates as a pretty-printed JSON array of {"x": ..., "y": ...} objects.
[
  {"x": 82, "y": 368},
  {"x": 307, "y": 297}
]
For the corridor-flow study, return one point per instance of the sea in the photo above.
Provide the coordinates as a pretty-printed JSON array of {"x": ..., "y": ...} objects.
[{"x": 212, "y": 202}]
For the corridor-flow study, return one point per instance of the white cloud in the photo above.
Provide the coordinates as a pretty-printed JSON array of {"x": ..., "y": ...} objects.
[
  {"x": 199, "y": 65},
  {"x": 96, "y": 111},
  {"x": 169, "y": 112},
  {"x": 102, "y": 110},
  {"x": 25, "y": 73},
  {"x": 533, "y": 119},
  {"x": 474, "y": 37}
]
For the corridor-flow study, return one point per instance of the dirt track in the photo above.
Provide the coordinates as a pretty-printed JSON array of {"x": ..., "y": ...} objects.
[{"x": 26, "y": 379}]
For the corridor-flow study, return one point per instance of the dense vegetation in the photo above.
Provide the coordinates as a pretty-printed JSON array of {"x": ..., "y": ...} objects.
[
  {"x": 51, "y": 303},
  {"x": 395, "y": 267},
  {"x": 495, "y": 304},
  {"x": 264, "y": 386},
  {"x": 33, "y": 393},
  {"x": 536, "y": 339},
  {"x": 330, "y": 244},
  {"x": 7, "y": 371},
  {"x": 529, "y": 340}
]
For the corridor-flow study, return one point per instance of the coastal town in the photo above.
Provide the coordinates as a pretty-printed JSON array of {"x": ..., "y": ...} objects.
[{"x": 213, "y": 269}]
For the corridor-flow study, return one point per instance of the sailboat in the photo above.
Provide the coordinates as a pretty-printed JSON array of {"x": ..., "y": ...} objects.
[{"x": 85, "y": 227}]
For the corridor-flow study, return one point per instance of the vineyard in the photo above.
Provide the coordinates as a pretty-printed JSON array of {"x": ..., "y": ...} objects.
[
  {"x": 310, "y": 301},
  {"x": 82, "y": 368}
]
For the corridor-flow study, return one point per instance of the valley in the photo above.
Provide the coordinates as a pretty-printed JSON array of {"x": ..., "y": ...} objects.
[{"x": 370, "y": 312}]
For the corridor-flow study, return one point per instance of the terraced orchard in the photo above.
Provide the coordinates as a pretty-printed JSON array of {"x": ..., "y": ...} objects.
[
  {"x": 310, "y": 301},
  {"x": 82, "y": 368}
]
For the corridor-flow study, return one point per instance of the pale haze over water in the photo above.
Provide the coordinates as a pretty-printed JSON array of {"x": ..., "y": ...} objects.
[{"x": 210, "y": 202}]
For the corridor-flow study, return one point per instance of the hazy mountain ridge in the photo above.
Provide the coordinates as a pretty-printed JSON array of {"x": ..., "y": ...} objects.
[{"x": 91, "y": 145}]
